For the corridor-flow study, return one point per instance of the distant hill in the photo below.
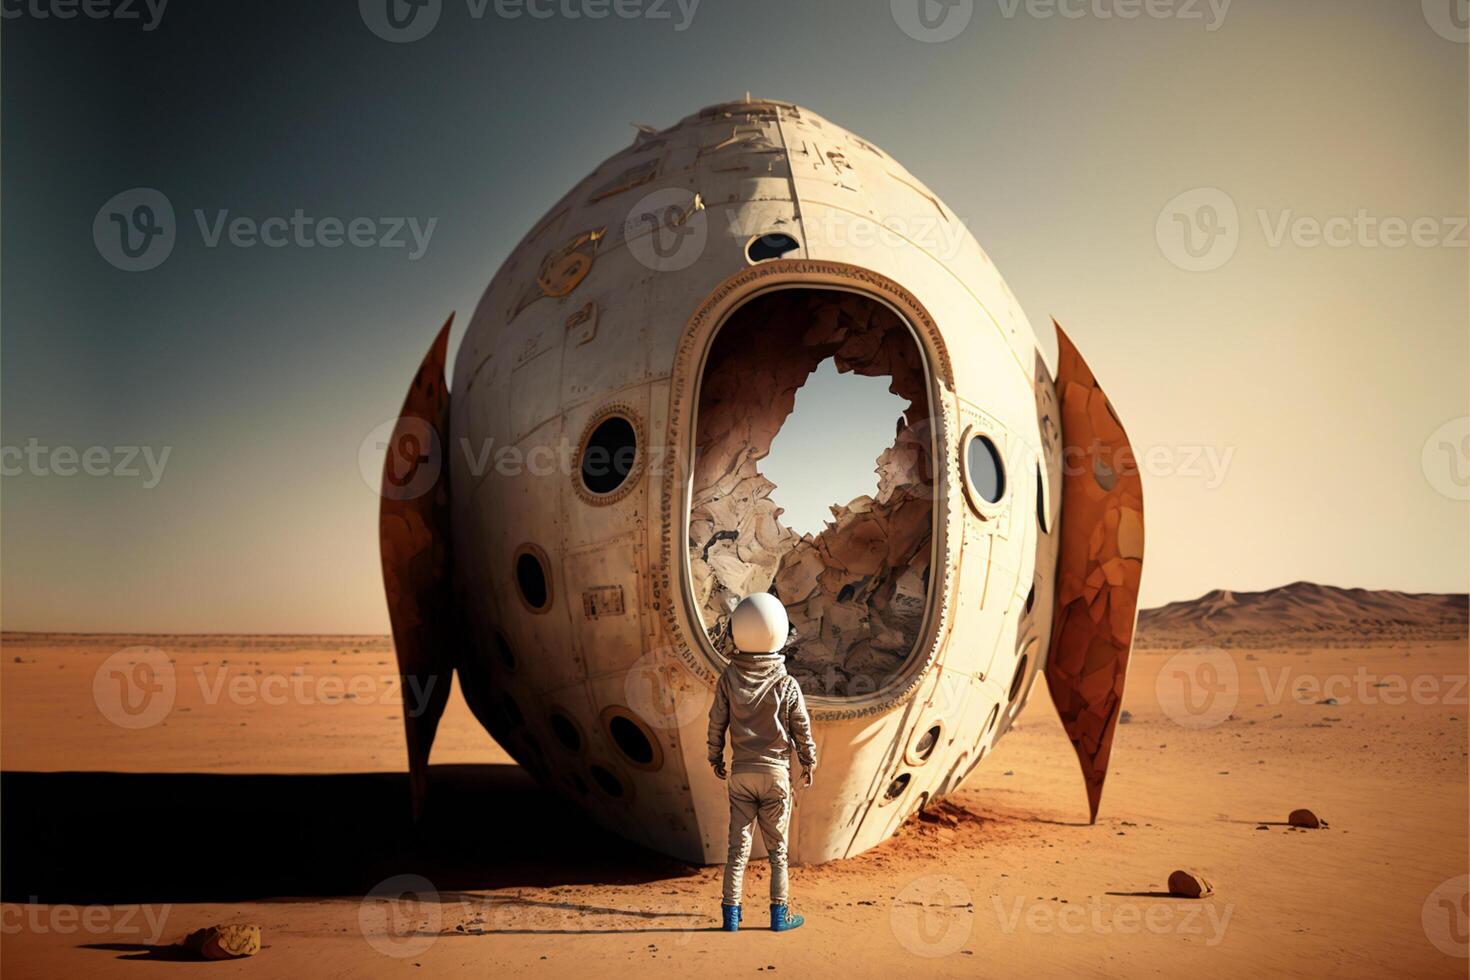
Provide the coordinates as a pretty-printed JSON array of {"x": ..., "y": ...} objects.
[{"x": 1304, "y": 613}]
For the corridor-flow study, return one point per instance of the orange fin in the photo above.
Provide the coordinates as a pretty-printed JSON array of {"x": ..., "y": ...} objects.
[
  {"x": 1099, "y": 565},
  {"x": 413, "y": 538}
]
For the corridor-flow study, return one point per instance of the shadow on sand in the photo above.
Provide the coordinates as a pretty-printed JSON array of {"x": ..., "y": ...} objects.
[{"x": 111, "y": 838}]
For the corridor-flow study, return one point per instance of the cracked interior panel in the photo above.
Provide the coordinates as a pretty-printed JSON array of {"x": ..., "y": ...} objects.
[{"x": 856, "y": 592}]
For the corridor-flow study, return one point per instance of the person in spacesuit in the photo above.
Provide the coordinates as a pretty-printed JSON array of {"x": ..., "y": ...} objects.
[{"x": 762, "y": 707}]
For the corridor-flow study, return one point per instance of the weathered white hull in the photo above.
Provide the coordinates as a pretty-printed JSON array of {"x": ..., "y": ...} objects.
[{"x": 608, "y": 308}]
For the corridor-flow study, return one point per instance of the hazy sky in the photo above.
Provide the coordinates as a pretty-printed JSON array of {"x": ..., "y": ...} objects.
[{"x": 1288, "y": 391}]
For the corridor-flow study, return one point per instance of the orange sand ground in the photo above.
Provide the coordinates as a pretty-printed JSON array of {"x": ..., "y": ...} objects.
[{"x": 1004, "y": 879}]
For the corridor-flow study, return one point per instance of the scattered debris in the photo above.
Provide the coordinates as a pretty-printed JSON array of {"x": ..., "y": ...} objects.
[
  {"x": 224, "y": 942},
  {"x": 1187, "y": 884},
  {"x": 1306, "y": 818},
  {"x": 1125, "y": 716}
]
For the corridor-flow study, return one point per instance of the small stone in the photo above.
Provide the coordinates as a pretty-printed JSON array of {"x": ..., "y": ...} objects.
[
  {"x": 1305, "y": 818},
  {"x": 224, "y": 942},
  {"x": 1187, "y": 884},
  {"x": 1125, "y": 716}
]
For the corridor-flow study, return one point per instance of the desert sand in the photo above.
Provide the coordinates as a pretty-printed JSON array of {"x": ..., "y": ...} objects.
[{"x": 272, "y": 792}]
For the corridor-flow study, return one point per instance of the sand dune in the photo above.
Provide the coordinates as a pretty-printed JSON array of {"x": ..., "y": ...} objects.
[{"x": 1303, "y": 614}]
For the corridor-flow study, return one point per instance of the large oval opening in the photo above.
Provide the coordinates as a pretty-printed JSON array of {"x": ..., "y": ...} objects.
[{"x": 856, "y": 589}]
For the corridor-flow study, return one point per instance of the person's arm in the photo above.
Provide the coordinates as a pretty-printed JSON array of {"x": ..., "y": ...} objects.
[
  {"x": 799, "y": 724},
  {"x": 719, "y": 720}
]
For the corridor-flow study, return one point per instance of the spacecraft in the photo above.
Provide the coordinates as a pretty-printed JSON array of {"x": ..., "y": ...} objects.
[{"x": 566, "y": 526}]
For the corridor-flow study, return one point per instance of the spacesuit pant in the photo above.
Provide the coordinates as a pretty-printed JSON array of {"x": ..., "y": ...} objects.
[{"x": 764, "y": 798}]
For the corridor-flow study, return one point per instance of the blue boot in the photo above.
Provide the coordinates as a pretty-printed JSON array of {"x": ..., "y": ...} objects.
[
  {"x": 782, "y": 920},
  {"x": 732, "y": 917}
]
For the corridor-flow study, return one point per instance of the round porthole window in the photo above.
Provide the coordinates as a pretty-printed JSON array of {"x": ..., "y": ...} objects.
[
  {"x": 504, "y": 652},
  {"x": 1041, "y": 507},
  {"x": 633, "y": 738},
  {"x": 532, "y": 583},
  {"x": 985, "y": 477},
  {"x": 1019, "y": 678},
  {"x": 924, "y": 746},
  {"x": 896, "y": 788},
  {"x": 608, "y": 782},
  {"x": 511, "y": 712},
  {"x": 568, "y": 735},
  {"x": 763, "y": 248},
  {"x": 609, "y": 458}
]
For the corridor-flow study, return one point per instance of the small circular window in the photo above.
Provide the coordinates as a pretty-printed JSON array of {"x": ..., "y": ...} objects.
[
  {"x": 1017, "y": 680},
  {"x": 1041, "y": 507},
  {"x": 568, "y": 735},
  {"x": 924, "y": 746},
  {"x": 532, "y": 583},
  {"x": 512, "y": 712},
  {"x": 896, "y": 788},
  {"x": 609, "y": 455},
  {"x": 763, "y": 248},
  {"x": 985, "y": 477},
  {"x": 504, "y": 652},
  {"x": 633, "y": 738},
  {"x": 605, "y": 780}
]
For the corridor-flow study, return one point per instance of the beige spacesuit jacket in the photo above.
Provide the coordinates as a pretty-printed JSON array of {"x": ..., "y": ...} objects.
[{"x": 765, "y": 713}]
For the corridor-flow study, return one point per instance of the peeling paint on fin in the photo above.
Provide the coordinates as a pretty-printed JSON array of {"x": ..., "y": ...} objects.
[
  {"x": 414, "y": 540},
  {"x": 1099, "y": 566}
]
